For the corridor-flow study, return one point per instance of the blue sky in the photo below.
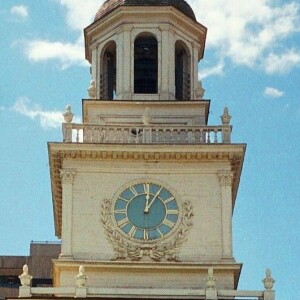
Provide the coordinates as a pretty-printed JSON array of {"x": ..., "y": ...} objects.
[{"x": 251, "y": 65}]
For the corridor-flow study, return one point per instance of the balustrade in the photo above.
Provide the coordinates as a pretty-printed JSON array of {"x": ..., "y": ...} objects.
[{"x": 145, "y": 134}]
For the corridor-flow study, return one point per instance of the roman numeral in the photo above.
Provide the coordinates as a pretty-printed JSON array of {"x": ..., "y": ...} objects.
[
  {"x": 166, "y": 201},
  {"x": 120, "y": 211},
  {"x": 123, "y": 222},
  {"x": 123, "y": 199},
  {"x": 168, "y": 223},
  {"x": 160, "y": 233},
  {"x": 172, "y": 212},
  {"x": 146, "y": 235},
  {"x": 132, "y": 231},
  {"x": 134, "y": 192},
  {"x": 146, "y": 188}
]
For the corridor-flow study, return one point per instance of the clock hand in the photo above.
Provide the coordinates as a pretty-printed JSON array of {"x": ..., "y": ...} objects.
[
  {"x": 153, "y": 199},
  {"x": 147, "y": 197}
]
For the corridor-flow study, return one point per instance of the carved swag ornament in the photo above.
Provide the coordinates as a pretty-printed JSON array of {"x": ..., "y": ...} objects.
[{"x": 166, "y": 249}]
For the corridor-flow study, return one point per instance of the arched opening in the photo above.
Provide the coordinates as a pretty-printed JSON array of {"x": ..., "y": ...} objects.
[
  {"x": 145, "y": 65},
  {"x": 108, "y": 72},
  {"x": 182, "y": 72}
]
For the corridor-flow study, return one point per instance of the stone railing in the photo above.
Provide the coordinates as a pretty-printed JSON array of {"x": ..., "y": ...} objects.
[
  {"x": 80, "y": 289},
  {"x": 145, "y": 134}
]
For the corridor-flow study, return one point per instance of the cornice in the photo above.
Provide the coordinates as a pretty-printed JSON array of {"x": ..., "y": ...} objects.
[{"x": 138, "y": 266}]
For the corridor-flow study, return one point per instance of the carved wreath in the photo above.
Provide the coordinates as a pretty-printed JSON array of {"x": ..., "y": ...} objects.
[{"x": 163, "y": 250}]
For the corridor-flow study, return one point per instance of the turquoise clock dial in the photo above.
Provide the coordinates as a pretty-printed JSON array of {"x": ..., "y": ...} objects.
[{"x": 146, "y": 211}]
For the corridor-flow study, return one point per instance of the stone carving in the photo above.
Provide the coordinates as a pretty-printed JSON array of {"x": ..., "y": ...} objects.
[
  {"x": 67, "y": 176},
  {"x": 92, "y": 90},
  {"x": 81, "y": 277},
  {"x": 166, "y": 249},
  {"x": 25, "y": 278},
  {"x": 268, "y": 281},
  {"x": 210, "y": 280},
  {"x": 199, "y": 91},
  {"x": 226, "y": 117},
  {"x": 68, "y": 115},
  {"x": 225, "y": 177}
]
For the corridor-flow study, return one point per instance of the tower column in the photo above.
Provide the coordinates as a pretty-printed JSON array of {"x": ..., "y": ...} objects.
[
  {"x": 194, "y": 71},
  {"x": 67, "y": 179},
  {"x": 225, "y": 178},
  {"x": 168, "y": 60},
  {"x": 127, "y": 56}
]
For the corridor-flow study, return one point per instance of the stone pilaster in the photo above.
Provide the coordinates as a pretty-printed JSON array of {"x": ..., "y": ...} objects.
[
  {"x": 128, "y": 64},
  {"x": 67, "y": 179},
  {"x": 225, "y": 178},
  {"x": 167, "y": 61}
]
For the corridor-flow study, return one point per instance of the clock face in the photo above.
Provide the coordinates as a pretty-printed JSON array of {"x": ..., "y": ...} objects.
[{"x": 146, "y": 211}]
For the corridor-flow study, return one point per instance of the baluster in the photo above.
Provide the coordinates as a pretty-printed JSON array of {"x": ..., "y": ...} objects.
[
  {"x": 129, "y": 135},
  {"x": 201, "y": 135},
  {"x": 175, "y": 135},
  {"x": 208, "y": 136},
  {"x": 105, "y": 135},
  {"x": 186, "y": 137},
  {"x": 193, "y": 135},
  {"x": 92, "y": 134},
  {"x": 98, "y": 135},
  {"x": 216, "y": 136},
  {"x": 164, "y": 135},
  {"x": 171, "y": 135},
  {"x": 77, "y": 135},
  {"x": 137, "y": 136},
  {"x": 150, "y": 135},
  {"x": 122, "y": 140},
  {"x": 157, "y": 134}
]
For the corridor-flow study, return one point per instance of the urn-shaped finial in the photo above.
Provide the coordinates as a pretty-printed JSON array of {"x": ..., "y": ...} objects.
[
  {"x": 226, "y": 117},
  {"x": 92, "y": 90},
  {"x": 81, "y": 277},
  {"x": 268, "y": 281},
  {"x": 199, "y": 91},
  {"x": 68, "y": 115},
  {"x": 210, "y": 280},
  {"x": 25, "y": 278}
]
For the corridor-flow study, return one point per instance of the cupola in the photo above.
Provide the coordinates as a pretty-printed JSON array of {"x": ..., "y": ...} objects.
[{"x": 145, "y": 50}]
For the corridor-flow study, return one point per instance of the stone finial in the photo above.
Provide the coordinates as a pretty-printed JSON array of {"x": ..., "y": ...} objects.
[
  {"x": 210, "y": 280},
  {"x": 68, "y": 115},
  {"x": 92, "y": 90},
  {"x": 199, "y": 91},
  {"x": 225, "y": 118},
  {"x": 268, "y": 281},
  {"x": 25, "y": 278},
  {"x": 146, "y": 118},
  {"x": 81, "y": 277}
]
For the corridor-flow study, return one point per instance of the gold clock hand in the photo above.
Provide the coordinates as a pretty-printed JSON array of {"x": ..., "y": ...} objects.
[
  {"x": 153, "y": 199},
  {"x": 147, "y": 197}
]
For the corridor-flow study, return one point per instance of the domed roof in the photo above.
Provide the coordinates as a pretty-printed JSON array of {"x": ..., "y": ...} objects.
[{"x": 110, "y": 5}]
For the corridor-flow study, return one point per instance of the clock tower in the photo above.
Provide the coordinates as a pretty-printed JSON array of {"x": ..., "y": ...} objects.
[{"x": 144, "y": 189}]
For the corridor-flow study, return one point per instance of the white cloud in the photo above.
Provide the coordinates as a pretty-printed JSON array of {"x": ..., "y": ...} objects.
[
  {"x": 273, "y": 92},
  {"x": 282, "y": 63},
  {"x": 66, "y": 53},
  {"x": 80, "y": 15},
  {"x": 47, "y": 119},
  {"x": 215, "y": 70},
  {"x": 246, "y": 32},
  {"x": 20, "y": 11}
]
